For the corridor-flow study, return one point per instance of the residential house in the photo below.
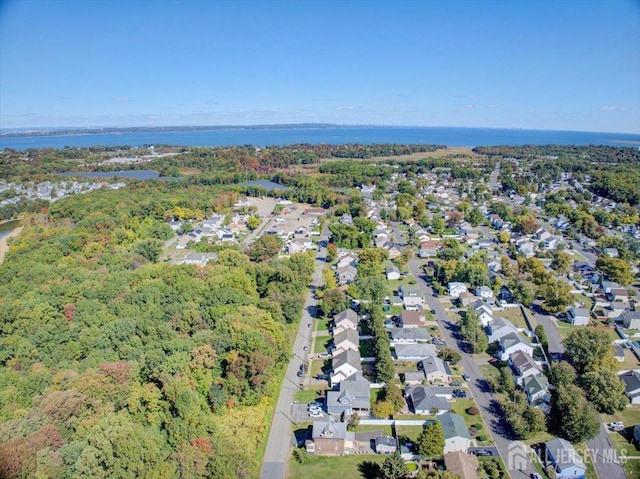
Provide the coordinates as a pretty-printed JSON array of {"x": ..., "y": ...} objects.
[
  {"x": 412, "y": 297},
  {"x": 523, "y": 366},
  {"x": 618, "y": 294},
  {"x": 314, "y": 211},
  {"x": 466, "y": 298},
  {"x": 631, "y": 381},
  {"x": 578, "y": 316},
  {"x": 499, "y": 328},
  {"x": 455, "y": 288},
  {"x": 346, "y": 260},
  {"x": 353, "y": 396},
  {"x": 175, "y": 225},
  {"x": 393, "y": 273},
  {"x": 536, "y": 388},
  {"x": 343, "y": 365},
  {"x": 393, "y": 250},
  {"x": 408, "y": 335},
  {"x": 347, "y": 319},
  {"x": 296, "y": 246},
  {"x": 456, "y": 434},
  {"x": 607, "y": 286},
  {"x": 611, "y": 252},
  {"x": 484, "y": 312},
  {"x": 330, "y": 438},
  {"x": 413, "y": 378},
  {"x": 414, "y": 352},
  {"x": 199, "y": 259},
  {"x": 631, "y": 319},
  {"x": 463, "y": 465},
  {"x": 484, "y": 292},
  {"x": 513, "y": 342},
  {"x": 346, "y": 275},
  {"x": 435, "y": 369},
  {"x": 429, "y": 248},
  {"x": 566, "y": 462},
  {"x": 618, "y": 353},
  {"x": 424, "y": 400},
  {"x": 385, "y": 444},
  {"x": 412, "y": 319},
  {"x": 346, "y": 339}
]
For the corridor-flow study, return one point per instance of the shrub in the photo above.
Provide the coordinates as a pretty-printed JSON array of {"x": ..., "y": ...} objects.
[
  {"x": 472, "y": 411},
  {"x": 482, "y": 437},
  {"x": 478, "y": 426}
]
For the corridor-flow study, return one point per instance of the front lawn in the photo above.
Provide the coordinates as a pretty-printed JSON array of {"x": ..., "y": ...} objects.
[
  {"x": 309, "y": 395},
  {"x": 320, "y": 344},
  {"x": 515, "y": 316}
]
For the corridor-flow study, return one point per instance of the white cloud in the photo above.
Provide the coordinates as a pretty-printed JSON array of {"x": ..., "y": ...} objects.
[
  {"x": 121, "y": 100},
  {"x": 613, "y": 108},
  {"x": 347, "y": 108}
]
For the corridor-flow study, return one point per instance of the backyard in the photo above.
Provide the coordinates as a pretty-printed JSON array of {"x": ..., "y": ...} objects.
[{"x": 347, "y": 466}]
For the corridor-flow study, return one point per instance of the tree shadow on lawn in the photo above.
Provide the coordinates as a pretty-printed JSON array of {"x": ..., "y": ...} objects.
[{"x": 369, "y": 470}]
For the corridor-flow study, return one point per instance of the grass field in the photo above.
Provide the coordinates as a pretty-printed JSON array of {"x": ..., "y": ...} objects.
[
  {"x": 309, "y": 395},
  {"x": 320, "y": 344},
  {"x": 315, "y": 467},
  {"x": 514, "y": 315},
  {"x": 625, "y": 448}
]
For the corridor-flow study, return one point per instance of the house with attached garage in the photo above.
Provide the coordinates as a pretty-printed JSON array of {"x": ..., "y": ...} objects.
[
  {"x": 523, "y": 366},
  {"x": 484, "y": 312},
  {"x": 463, "y": 465},
  {"x": 352, "y": 396},
  {"x": 454, "y": 289},
  {"x": 631, "y": 319},
  {"x": 344, "y": 365},
  {"x": 435, "y": 369},
  {"x": 484, "y": 292},
  {"x": 346, "y": 339},
  {"x": 408, "y": 335},
  {"x": 631, "y": 381},
  {"x": 412, "y": 297},
  {"x": 578, "y": 316},
  {"x": 412, "y": 319},
  {"x": 513, "y": 342},
  {"x": 456, "y": 434},
  {"x": 347, "y": 319},
  {"x": 499, "y": 328},
  {"x": 346, "y": 275},
  {"x": 414, "y": 352},
  {"x": 566, "y": 462},
  {"x": 423, "y": 400},
  {"x": 536, "y": 388},
  {"x": 393, "y": 273}
]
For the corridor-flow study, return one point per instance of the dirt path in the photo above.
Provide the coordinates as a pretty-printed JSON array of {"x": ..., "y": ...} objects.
[{"x": 4, "y": 245}]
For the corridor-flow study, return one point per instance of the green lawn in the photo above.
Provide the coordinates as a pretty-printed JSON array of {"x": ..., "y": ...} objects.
[
  {"x": 410, "y": 433},
  {"x": 320, "y": 344},
  {"x": 316, "y": 467},
  {"x": 515, "y": 316},
  {"x": 460, "y": 406},
  {"x": 322, "y": 325},
  {"x": 384, "y": 430},
  {"x": 316, "y": 367},
  {"x": 625, "y": 448},
  {"x": 309, "y": 395}
]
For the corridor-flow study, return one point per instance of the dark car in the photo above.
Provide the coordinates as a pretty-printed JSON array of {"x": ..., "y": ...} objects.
[
  {"x": 300, "y": 373},
  {"x": 482, "y": 452},
  {"x": 433, "y": 311},
  {"x": 439, "y": 341}
]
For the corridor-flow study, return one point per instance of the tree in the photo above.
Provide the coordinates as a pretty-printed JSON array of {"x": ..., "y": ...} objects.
[
  {"x": 587, "y": 348},
  {"x": 253, "y": 222},
  {"x": 151, "y": 249},
  {"x": 542, "y": 337},
  {"x": 430, "y": 442},
  {"x": 472, "y": 332},
  {"x": 504, "y": 237},
  {"x": 265, "y": 248},
  {"x": 616, "y": 269},
  {"x": 561, "y": 262},
  {"x": 449, "y": 354},
  {"x": 371, "y": 262},
  {"x": 383, "y": 409},
  {"x": 572, "y": 416},
  {"x": 332, "y": 252},
  {"x": 475, "y": 216},
  {"x": 562, "y": 374},
  {"x": 334, "y": 300},
  {"x": 353, "y": 422},
  {"x": 393, "y": 467},
  {"x": 604, "y": 390},
  {"x": 437, "y": 225},
  {"x": 556, "y": 295}
]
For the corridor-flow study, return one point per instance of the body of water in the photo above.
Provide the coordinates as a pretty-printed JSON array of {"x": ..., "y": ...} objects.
[
  {"x": 8, "y": 227},
  {"x": 339, "y": 135}
]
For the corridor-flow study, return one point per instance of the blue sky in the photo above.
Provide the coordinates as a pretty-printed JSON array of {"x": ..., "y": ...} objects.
[{"x": 566, "y": 65}]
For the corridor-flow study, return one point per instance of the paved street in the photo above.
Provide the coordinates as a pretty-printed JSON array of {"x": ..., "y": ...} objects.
[{"x": 276, "y": 456}]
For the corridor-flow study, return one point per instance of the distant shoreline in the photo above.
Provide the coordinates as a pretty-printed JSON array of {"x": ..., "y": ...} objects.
[{"x": 79, "y": 131}]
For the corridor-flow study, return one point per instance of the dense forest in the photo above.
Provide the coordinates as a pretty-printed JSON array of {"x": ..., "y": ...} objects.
[{"x": 115, "y": 363}]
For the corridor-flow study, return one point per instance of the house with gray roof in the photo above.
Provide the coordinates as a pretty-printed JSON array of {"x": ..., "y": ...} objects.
[
  {"x": 578, "y": 316},
  {"x": 423, "y": 400},
  {"x": 523, "y": 366},
  {"x": 631, "y": 319},
  {"x": 456, "y": 434},
  {"x": 414, "y": 352},
  {"x": 344, "y": 365},
  {"x": 412, "y": 297},
  {"x": 536, "y": 388},
  {"x": 631, "y": 380},
  {"x": 498, "y": 328},
  {"x": 564, "y": 459},
  {"x": 346, "y": 339},
  {"x": 413, "y": 378},
  {"x": 408, "y": 335},
  {"x": 435, "y": 369},
  {"x": 353, "y": 395},
  {"x": 513, "y": 342},
  {"x": 347, "y": 319}
]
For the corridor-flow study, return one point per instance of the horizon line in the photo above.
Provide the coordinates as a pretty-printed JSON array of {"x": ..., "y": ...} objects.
[{"x": 52, "y": 129}]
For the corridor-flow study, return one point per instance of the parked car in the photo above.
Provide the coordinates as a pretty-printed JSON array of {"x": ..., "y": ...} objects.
[
  {"x": 306, "y": 348},
  {"x": 482, "y": 452},
  {"x": 465, "y": 377},
  {"x": 439, "y": 341},
  {"x": 300, "y": 374},
  {"x": 433, "y": 311},
  {"x": 456, "y": 383},
  {"x": 535, "y": 475}
]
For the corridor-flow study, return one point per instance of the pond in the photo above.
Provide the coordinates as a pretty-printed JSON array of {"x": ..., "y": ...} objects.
[{"x": 7, "y": 227}]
